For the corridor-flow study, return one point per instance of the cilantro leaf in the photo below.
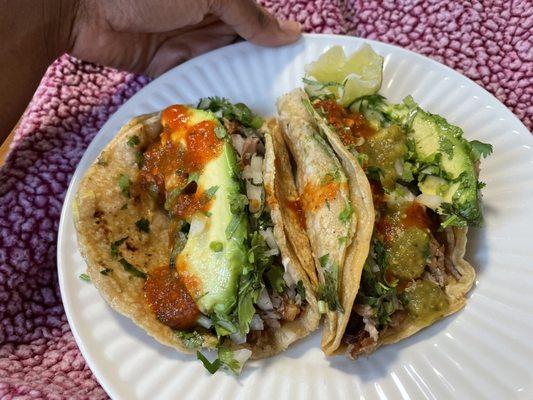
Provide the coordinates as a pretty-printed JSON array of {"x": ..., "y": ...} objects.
[
  {"x": 346, "y": 213},
  {"x": 329, "y": 290},
  {"x": 139, "y": 159},
  {"x": 124, "y": 183},
  {"x": 191, "y": 340},
  {"x": 133, "y": 141},
  {"x": 374, "y": 173},
  {"x": 300, "y": 289},
  {"x": 446, "y": 146},
  {"x": 143, "y": 225},
  {"x": 480, "y": 149},
  {"x": 235, "y": 112},
  {"x": 85, "y": 277},
  {"x": 131, "y": 269},
  {"x": 212, "y": 367},
  {"x": 220, "y": 132},
  {"x": 210, "y": 193},
  {"x": 223, "y": 324},
  {"x": 275, "y": 278},
  {"x": 106, "y": 271},
  {"x": 227, "y": 359},
  {"x": 115, "y": 245}
]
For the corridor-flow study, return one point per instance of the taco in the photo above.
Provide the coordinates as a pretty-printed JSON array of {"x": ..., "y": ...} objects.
[
  {"x": 336, "y": 203},
  {"x": 183, "y": 227},
  {"x": 425, "y": 190}
]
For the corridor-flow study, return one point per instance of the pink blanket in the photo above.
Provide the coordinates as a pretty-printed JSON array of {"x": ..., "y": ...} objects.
[{"x": 489, "y": 41}]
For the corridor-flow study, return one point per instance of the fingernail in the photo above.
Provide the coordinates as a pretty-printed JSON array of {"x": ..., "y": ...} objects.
[{"x": 290, "y": 27}]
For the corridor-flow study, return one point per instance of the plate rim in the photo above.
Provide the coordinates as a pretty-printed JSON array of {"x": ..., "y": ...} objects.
[{"x": 107, "y": 382}]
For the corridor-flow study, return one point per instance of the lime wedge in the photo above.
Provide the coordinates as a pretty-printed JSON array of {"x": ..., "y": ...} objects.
[{"x": 346, "y": 78}]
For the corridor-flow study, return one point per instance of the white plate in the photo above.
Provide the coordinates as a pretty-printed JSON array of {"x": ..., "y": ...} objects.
[{"x": 484, "y": 351}]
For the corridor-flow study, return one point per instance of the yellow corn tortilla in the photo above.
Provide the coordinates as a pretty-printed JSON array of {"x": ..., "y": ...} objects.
[
  {"x": 295, "y": 115},
  {"x": 455, "y": 291},
  {"x": 101, "y": 218}
]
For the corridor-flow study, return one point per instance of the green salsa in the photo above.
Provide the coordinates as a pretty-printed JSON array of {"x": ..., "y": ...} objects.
[
  {"x": 383, "y": 149},
  {"x": 407, "y": 246},
  {"x": 425, "y": 299}
]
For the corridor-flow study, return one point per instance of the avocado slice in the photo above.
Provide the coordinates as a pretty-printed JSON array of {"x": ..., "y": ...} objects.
[
  {"x": 211, "y": 272},
  {"x": 447, "y": 166}
]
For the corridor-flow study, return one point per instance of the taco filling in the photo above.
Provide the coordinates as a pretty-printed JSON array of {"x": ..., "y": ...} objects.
[{"x": 425, "y": 189}]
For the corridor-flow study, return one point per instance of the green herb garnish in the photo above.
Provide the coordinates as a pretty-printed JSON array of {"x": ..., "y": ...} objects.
[
  {"x": 275, "y": 278},
  {"x": 210, "y": 193},
  {"x": 85, "y": 277},
  {"x": 134, "y": 141},
  {"x": 124, "y": 183},
  {"x": 191, "y": 340},
  {"x": 143, "y": 225},
  {"x": 346, "y": 213},
  {"x": 300, "y": 289},
  {"x": 115, "y": 245},
  {"x": 131, "y": 269}
]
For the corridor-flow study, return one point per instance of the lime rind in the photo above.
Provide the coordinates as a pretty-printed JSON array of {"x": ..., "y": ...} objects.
[{"x": 346, "y": 78}]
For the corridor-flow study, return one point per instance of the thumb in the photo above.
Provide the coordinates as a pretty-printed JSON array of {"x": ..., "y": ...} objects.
[{"x": 254, "y": 23}]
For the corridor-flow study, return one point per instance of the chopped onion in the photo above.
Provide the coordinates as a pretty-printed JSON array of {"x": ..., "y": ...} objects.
[
  {"x": 256, "y": 324},
  {"x": 238, "y": 143},
  {"x": 287, "y": 277},
  {"x": 268, "y": 235},
  {"x": 238, "y": 337},
  {"x": 271, "y": 252},
  {"x": 254, "y": 196},
  {"x": 263, "y": 302},
  {"x": 370, "y": 327},
  {"x": 241, "y": 356},
  {"x": 398, "y": 167},
  {"x": 204, "y": 321},
  {"x": 257, "y": 169},
  {"x": 197, "y": 224},
  {"x": 429, "y": 200}
]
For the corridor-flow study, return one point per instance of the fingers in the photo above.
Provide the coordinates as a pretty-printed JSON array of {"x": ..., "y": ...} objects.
[
  {"x": 184, "y": 45},
  {"x": 254, "y": 23}
]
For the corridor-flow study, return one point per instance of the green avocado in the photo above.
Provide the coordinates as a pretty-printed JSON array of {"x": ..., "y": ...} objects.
[
  {"x": 448, "y": 166},
  {"x": 213, "y": 260}
]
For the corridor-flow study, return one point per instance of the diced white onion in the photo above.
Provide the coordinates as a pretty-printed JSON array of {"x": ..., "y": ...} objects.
[
  {"x": 268, "y": 235},
  {"x": 398, "y": 166},
  {"x": 322, "y": 307},
  {"x": 263, "y": 302},
  {"x": 370, "y": 327},
  {"x": 204, "y": 321},
  {"x": 241, "y": 356},
  {"x": 256, "y": 324},
  {"x": 429, "y": 200},
  {"x": 256, "y": 165},
  {"x": 254, "y": 196},
  {"x": 247, "y": 172},
  {"x": 198, "y": 224},
  {"x": 287, "y": 277},
  {"x": 271, "y": 252},
  {"x": 238, "y": 143},
  {"x": 238, "y": 337}
]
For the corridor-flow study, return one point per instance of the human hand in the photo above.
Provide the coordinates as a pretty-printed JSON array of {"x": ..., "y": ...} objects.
[{"x": 152, "y": 36}]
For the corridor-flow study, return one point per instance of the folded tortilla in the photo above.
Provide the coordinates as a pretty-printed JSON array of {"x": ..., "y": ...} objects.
[
  {"x": 345, "y": 237},
  {"x": 454, "y": 250},
  {"x": 101, "y": 217}
]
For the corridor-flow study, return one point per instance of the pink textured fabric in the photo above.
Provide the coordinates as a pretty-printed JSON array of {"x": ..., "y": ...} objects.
[{"x": 489, "y": 41}]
